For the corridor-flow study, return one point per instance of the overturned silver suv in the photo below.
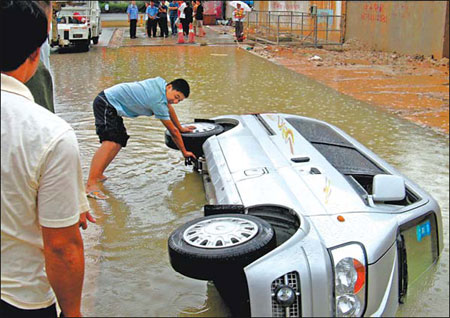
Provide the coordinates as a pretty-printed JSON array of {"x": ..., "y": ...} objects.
[{"x": 303, "y": 220}]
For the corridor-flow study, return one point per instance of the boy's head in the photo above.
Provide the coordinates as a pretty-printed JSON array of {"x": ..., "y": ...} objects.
[{"x": 177, "y": 90}]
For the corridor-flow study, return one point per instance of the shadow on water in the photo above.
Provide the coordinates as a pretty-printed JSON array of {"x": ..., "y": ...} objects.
[{"x": 152, "y": 192}]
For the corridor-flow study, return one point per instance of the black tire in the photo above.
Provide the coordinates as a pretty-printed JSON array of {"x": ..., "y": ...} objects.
[
  {"x": 95, "y": 40},
  {"x": 212, "y": 263},
  {"x": 82, "y": 46},
  {"x": 193, "y": 141}
]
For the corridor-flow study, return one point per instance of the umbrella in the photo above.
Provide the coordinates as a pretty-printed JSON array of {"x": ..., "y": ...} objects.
[{"x": 243, "y": 5}]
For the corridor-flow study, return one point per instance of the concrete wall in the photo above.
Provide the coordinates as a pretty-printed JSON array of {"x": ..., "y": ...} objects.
[
  {"x": 408, "y": 27},
  {"x": 335, "y": 10},
  {"x": 334, "y": 7},
  {"x": 446, "y": 46}
]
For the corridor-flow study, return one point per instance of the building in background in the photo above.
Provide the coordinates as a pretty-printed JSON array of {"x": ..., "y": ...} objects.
[{"x": 408, "y": 27}]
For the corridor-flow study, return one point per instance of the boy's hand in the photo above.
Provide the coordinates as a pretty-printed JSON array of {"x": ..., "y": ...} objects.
[
  {"x": 187, "y": 129},
  {"x": 189, "y": 154}
]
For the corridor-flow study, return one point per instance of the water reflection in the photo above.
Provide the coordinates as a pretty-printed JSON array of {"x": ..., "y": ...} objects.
[{"x": 152, "y": 192}]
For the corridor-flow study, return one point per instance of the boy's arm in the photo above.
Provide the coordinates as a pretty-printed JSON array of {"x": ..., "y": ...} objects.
[
  {"x": 176, "y": 122},
  {"x": 176, "y": 136}
]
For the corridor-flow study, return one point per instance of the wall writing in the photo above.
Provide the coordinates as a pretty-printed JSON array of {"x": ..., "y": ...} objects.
[{"x": 374, "y": 11}]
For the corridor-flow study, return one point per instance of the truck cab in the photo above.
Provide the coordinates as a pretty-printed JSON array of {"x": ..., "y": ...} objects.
[{"x": 78, "y": 23}]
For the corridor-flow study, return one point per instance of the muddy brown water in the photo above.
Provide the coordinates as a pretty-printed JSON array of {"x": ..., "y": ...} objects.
[{"x": 152, "y": 193}]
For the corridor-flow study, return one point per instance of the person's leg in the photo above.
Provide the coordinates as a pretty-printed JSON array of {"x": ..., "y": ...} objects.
[
  {"x": 134, "y": 22},
  {"x": 112, "y": 135},
  {"x": 166, "y": 28},
  {"x": 154, "y": 23},
  {"x": 173, "y": 25},
  {"x": 185, "y": 24},
  {"x": 100, "y": 161},
  {"x": 161, "y": 28},
  {"x": 239, "y": 26},
  {"x": 202, "y": 30}
]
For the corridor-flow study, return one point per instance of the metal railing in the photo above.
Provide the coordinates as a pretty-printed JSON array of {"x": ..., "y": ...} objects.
[{"x": 295, "y": 27}]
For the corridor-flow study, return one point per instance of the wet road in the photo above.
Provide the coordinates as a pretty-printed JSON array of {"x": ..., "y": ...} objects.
[{"x": 127, "y": 267}]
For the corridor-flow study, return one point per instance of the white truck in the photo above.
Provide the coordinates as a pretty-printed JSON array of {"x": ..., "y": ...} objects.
[{"x": 78, "y": 23}]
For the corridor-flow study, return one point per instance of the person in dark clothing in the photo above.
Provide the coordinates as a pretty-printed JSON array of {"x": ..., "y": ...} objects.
[
  {"x": 152, "y": 22},
  {"x": 162, "y": 14},
  {"x": 133, "y": 14},
  {"x": 187, "y": 18},
  {"x": 41, "y": 87},
  {"x": 198, "y": 25}
]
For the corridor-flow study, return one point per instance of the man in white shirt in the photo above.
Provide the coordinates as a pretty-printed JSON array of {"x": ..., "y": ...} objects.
[
  {"x": 43, "y": 200},
  {"x": 182, "y": 16}
]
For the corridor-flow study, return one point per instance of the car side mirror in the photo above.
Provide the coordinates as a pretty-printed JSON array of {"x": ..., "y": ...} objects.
[{"x": 388, "y": 188}]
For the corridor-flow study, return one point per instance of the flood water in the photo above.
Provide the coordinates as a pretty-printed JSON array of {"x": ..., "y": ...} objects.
[{"x": 152, "y": 193}]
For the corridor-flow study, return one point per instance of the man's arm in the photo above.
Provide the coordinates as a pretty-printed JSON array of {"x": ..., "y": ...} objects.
[
  {"x": 176, "y": 136},
  {"x": 64, "y": 264}
]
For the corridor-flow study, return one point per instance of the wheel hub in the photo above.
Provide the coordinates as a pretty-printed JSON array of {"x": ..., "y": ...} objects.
[
  {"x": 203, "y": 127},
  {"x": 220, "y": 232}
]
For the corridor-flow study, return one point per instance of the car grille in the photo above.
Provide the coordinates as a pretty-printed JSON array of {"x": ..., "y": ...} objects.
[{"x": 290, "y": 279}]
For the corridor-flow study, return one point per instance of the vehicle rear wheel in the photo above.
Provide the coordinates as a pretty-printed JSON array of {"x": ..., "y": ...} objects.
[
  {"x": 95, "y": 40},
  {"x": 219, "y": 245},
  {"x": 193, "y": 141}
]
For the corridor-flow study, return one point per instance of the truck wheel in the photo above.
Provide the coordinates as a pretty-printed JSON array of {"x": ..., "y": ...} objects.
[
  {"x": 193, "y": 141},
  {"x": 219, "y": 245},
  {"x": 95, "y": 40},
  {"x": 85, "y": 47}
]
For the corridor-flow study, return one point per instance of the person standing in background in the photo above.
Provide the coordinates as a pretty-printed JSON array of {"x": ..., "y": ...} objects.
[
  {"x": 198, "y": 25},
  {"x": 41, "y": 84},
  {"x": 162, "y": 20},
  {"x": 152, "y": 13},
  {"x": 239, "y": 16},
  {"x": 173, "y": 15},
  {"x": 146, "y": 17},
  {"x": 133, "y": 14},
  {"x": 187, "y": 17},
  {"x": 182, "y": 16}
]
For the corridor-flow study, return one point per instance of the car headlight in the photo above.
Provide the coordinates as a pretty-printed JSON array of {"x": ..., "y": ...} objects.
[{"x": 350, "y": 277}]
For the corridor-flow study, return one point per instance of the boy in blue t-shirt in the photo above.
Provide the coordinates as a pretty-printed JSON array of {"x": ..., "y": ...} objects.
[{"x": 145, "y": 98}]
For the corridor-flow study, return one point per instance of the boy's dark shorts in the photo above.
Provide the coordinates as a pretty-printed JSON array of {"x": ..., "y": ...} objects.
[{"x": 108, "y": 124}]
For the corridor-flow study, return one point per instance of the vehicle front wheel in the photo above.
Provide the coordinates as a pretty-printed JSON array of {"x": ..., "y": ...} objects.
[{"x": 219, "y": 245}]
